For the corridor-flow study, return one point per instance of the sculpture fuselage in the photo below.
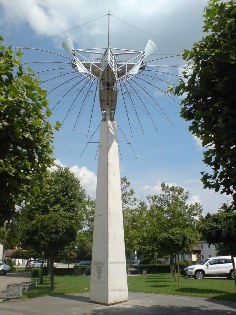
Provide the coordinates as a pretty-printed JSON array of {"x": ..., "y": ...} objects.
[
  {"x": 108, "y": 85},
  {"x": 109, "y": 71}
]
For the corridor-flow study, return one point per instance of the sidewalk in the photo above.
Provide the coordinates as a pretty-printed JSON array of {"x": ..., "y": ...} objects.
[
  {"x": 138, "y": 304},
  {"x": 12, "y": 279}
]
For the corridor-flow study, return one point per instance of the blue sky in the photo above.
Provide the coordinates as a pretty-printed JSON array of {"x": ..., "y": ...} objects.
[{"x": 172, "y": 154}]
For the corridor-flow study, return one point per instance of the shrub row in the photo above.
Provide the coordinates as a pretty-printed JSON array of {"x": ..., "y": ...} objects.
[
  {"x": 151, "y": 268},
  {"x": 159, "y": 268},
  {"x": 80, "y": 270},
  {"x": 86, "y": 270}
]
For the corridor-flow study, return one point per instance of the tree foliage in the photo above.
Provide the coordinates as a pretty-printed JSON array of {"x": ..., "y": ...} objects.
[
  {"x": 220, "y": 228},
  {"x": 129, "y": 200},
  {"x": 52, "y": 219},
  {"x": 171, "y": 223},
  {"x": 25, "y": 133},
  {"x": 208, "y": 87}
]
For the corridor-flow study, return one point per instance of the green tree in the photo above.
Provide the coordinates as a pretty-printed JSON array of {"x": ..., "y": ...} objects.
[
  {"x": 84, "y": 240},
  {"x": 52, "y": 219},
  {"x": 208, "y": 90},
  {"x": 132, "y": 217},
  {"x": 171, "y": 222},
  {"x": 129, "y": 199},
  {"x": 220, "y": 229},
  {"x": 25, "y": 133}
]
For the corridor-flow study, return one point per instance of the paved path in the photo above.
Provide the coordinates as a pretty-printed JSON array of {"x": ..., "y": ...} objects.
[
  {"x": 11, "y": 279},
  {"x": 138, "y": 304}
]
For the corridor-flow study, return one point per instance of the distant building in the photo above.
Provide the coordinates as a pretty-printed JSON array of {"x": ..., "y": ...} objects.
[
  {"x": 207, "y": 250},
  {"x": 201, "y": 251},
  {"x": 1, "y": 251},
  {"x": 16, "y": 261}
]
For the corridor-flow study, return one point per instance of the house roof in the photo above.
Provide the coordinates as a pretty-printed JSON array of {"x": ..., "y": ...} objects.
[{"x": 8, "y": 252}]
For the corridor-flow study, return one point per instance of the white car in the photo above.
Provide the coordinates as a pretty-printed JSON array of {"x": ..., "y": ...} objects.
[
  {"x": 4, "y": 268},
  {"x": 214, "y": 266}
]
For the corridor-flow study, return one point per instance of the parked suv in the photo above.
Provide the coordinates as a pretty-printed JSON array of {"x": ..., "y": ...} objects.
[{"x": 214, "y": 266}]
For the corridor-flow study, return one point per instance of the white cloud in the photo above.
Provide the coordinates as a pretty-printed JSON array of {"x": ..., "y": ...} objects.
[
  {"x": 87, "y": 178},
  {"x": 198, "y": 142},
  {"x": 153, "y": 189},
  {"x": 194, "y": 199},
  {"x": 165, "y": 18}
]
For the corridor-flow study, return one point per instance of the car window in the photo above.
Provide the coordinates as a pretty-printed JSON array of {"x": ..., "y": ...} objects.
[
  {"x": 221, "y": 261},
  {"x": 213, "y": 261}
]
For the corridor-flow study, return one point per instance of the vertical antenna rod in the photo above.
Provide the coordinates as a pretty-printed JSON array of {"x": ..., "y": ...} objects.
[{"x": 108, "y": 39}]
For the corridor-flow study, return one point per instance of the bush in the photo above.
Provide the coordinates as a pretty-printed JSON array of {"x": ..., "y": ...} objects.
[
  {"x": 82, "y": 270},
  {"x": 35, "y": 272},
  {"x": 10, "y": 263},
  {"x": 63, "y": 271},
  {"x": 151, "y": 268}
]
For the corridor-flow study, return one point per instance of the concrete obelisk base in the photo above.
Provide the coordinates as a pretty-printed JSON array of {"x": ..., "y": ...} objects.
[{"x": 108, "y": 272}]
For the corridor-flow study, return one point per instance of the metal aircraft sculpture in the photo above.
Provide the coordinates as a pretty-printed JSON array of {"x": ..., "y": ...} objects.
[{"x": 109, "y": 70}]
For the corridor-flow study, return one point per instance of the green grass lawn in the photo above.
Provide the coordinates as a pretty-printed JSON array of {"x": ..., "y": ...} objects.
[{"x": 154, "y": 283}]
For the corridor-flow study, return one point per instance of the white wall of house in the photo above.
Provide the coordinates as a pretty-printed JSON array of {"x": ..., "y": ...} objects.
[
  {"x": 207, "y": 250},
  {"x": 1, "y": 251}
]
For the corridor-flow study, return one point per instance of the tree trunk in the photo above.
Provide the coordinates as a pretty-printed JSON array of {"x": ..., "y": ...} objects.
[
  {"x": 233, "y": 263},
  {"x": 178, "y": 270},
  {"x": 51, "y": 270},
  {"x": 41, "y": 273},
  {"x": 172, "y": 266}
]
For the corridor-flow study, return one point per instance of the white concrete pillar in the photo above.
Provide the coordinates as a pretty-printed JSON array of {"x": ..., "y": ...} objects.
[{"x": 108, "y": 272}]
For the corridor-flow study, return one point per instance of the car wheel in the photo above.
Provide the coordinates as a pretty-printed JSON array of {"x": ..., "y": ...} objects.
[
  {"x": 231, "y": 274},
  {"x": 2, "y": 272},
  {"x": 199, "y": 274}
]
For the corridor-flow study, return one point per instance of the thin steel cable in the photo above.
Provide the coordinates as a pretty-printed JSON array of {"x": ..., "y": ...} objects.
[
  {"x": 64, "y": 95},
  {"x": 82, "y": 105},
  {"x": 135, "y": 111},
  {"x": 44, "y": 50},
  {"x": 145, "y": 32},
  {"x": 77, "y": 95},
  {"x": 77, "y": 76},
  {"x": 163, "y": 72},
  {"x": 58, "y": 76},
  {"x": 159, "y": 89},
  {"x": 147, "y": 111},
  {"x": 127, "y": 141},
  {"x": 126, "y": 110},
  {"x": 68, "y": 30},
  {"x": 94, "y": 100},
  {"x": 52, "y": 69},
  {"x": 162, "y": 58},
  {"x": 89, "y": 141},
  {"x": 153, "y": 101},
  {"x": 156, "y": 78}
]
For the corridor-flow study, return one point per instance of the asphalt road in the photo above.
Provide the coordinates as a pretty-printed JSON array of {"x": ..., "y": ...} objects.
[{"x": 138, "y": 304}]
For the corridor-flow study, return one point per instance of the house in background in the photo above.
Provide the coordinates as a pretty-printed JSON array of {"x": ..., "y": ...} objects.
[
  {"x": 16, "y": 261},
  {"x": 207, "y": 250},
  {"x": 1, "y": 251},
  {"x": 201, "y": 251}
]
